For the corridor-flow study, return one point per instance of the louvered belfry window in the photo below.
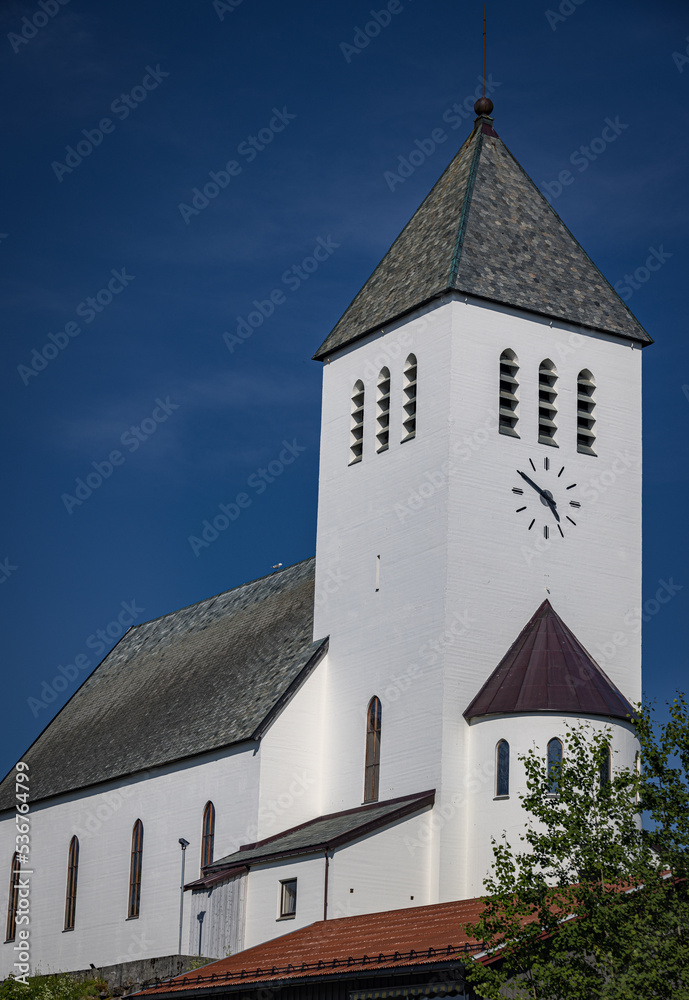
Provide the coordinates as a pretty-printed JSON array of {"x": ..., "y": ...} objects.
[
  {"x": 509, "y": 394},
  {"x": 372, "y": 771},
  {"x": 135, "y": 869},
  {"x": 409, "y": 398},
  {"x": 356, "y": 443},
  {"x": 383, "y": 411},
  {"x": 72, "y": 875},
  {"x": 547, "y": 402},
  {"x": 207, "y": 835},
  {"x": 15, "y": 875},
  {"x": 586, "y": 436}
]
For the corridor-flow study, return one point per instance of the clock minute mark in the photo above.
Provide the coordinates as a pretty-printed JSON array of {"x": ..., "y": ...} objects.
[
  {"x": 574, "y": 503},
  {"x": 572, "y": 486},
  {"x": 560, "y": 472},
  {"x": 532, "y": 524},
  {"x": 532, "y": 465},
  {"x": 545, "y": 530},
  {"x": 561, "y": 531},
  {"x": 515, "y": 489},
  {"x": 519, "y": 509},
  {"x": 570, "y": 519},
  {"x": 546, "y": 463}
]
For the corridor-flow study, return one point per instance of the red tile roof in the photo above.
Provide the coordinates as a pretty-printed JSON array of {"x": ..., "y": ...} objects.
[
  {"x": 547, "y": 669},
  {"x": 413, "y": 936}
]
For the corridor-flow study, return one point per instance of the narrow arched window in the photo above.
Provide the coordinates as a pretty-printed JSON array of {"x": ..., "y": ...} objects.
[
  {"x": 605, "y": 766},
  {"x": 372, "y": 774},
  {"x": 547, "y": 405},
  {"x": 13, "y": 902},
  {"x": 554, "y": 765},
  {"x": 135, "y": 869},
  {"x": 383, "y": 411},
  {"x": 356, "y": 436},
  {"x": 409, "y": 398},
  {"x": 509, "y": 394},
  {"x": 586, "y": 436},
  {"x": 502, "y": 768},
  {"x": 72, "y": 874},
  {"x": 207, "y": 835}
]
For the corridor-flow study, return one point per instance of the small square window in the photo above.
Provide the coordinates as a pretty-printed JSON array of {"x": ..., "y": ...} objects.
[{"x": 288, "y": 897}]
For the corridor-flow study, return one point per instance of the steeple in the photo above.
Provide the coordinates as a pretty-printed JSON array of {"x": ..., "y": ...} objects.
[{"x": 486, "y": 230}]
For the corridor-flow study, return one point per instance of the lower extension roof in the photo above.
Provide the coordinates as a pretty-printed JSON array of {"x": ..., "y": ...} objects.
[
  {"x": 196, "y": 680},
  {"x": 411, "y": 938}
]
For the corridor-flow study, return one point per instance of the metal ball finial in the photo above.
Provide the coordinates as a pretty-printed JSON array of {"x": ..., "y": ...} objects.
[{"x": 483, "y": 106}]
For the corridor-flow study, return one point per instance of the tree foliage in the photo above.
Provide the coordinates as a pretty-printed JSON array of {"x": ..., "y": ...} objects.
[
  {"x": 59, "y": 987},
  {"x": 592, "y": 904}
]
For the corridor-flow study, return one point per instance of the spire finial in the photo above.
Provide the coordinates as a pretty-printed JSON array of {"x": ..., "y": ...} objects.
[{"x": 484, "y": 105}]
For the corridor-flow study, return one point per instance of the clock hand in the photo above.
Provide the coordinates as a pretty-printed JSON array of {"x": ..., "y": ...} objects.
[{"x": 544, "y": 495}]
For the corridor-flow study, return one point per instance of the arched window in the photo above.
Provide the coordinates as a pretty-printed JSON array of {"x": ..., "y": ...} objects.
[
  {"x": 409, "y": 398},
  {"x": 554, "y": 765},
  {"x": 356, "y": 437},
  {"x": 15, "y": 875},
  {"x": 547, "y": 408},
  {"x": 509, "y": 393},
  {"x": 207, "y": 835},
  {"x": 372, "y": 774},
  {"x": 135, "y": 869},
  {"x": 383, "y": 411},
  {"x": 502, "y": 768},
  {"x": 605, "y": 766},
  {"x": 586, "y": 387},
  {"x": 71, "y": 894}
]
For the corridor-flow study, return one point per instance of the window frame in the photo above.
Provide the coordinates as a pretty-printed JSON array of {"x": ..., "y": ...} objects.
[
  {"x": 409, "y": 393},
  {"x": 383, "y": 386},
  {"x": 72, "y": 884},
  {"x": 288, "y": 903},
  {"x": 13, "y": 900},
  {"x": 356, "y": 426},
  {"x": 508, "y": 399},
  {"x": 498, "y": 776},
  {"x": 135, "y": 869},
  {"x": 553, "y": 782},
  {"x": 586, "y": 404},
  {"x": 207, "y": 835},
  {"x": 547, "y": 425},
  {"x": 372, "y": 752}
]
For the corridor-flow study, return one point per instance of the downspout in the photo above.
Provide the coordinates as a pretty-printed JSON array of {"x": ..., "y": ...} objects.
[{"x": 325, "y": 884}]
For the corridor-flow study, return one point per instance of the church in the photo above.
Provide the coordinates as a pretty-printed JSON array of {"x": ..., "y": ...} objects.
[{"x": 340, "y": 740}]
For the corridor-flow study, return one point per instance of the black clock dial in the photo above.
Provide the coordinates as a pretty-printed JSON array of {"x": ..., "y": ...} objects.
[{"x": 545, "y": 501}]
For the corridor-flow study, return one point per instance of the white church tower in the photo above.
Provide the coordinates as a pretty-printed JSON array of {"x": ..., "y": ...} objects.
[{"x": 480, "y": 473}]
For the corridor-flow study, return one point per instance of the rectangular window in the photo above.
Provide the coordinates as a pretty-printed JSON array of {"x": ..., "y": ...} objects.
[{"x": 288, "y": 897}]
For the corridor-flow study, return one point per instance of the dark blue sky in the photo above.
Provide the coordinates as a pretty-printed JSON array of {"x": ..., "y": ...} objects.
[{"x": 184, "y": 86}]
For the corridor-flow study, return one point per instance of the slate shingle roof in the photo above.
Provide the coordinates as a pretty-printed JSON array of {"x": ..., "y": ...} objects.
[
  {"x": 486, "y": 230},
  {"x": 394, "y": 939},
  {"x": 195, "y": 680},
  {"x": 331, "y": 830},
  {"x": 547, "y": 669}
]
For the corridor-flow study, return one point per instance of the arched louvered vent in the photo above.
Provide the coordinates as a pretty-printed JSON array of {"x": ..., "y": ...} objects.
[
  {"x": 586, "y": 436},
  {"x": 409, "y": 399},
  {"x": 509, "y": 394},
  {"x": 356, "y": 437},
  {"x": 383, "y": 411},
  {"x": 547, "y": 405}
]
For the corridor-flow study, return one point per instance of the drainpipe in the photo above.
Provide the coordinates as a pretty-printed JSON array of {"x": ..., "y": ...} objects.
[
  {"x": 183, "y": 844},
  {"x": 325, "y": 884}
]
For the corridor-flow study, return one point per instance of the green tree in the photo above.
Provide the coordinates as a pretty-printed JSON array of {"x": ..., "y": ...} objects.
[
  {"x": 59, "y": 987},
  {"x": 592, "y": 905}
]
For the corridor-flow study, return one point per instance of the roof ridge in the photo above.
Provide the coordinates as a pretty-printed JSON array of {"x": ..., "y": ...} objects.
[{"x": 466, "y": 206}]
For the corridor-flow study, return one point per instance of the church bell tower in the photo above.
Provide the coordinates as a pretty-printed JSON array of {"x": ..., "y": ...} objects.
[{"x": 479, "y": 521}]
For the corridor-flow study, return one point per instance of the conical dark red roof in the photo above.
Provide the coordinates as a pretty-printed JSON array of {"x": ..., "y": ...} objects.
[{"x": 547, "y": 669}]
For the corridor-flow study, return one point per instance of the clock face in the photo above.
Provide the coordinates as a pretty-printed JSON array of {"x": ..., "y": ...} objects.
[{"x": 546, "y": 501}]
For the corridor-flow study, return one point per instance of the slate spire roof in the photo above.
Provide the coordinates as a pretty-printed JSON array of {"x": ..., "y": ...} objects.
[
  {"x": 547, "y": 669},
  {"x": 486, "y": 230}
]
